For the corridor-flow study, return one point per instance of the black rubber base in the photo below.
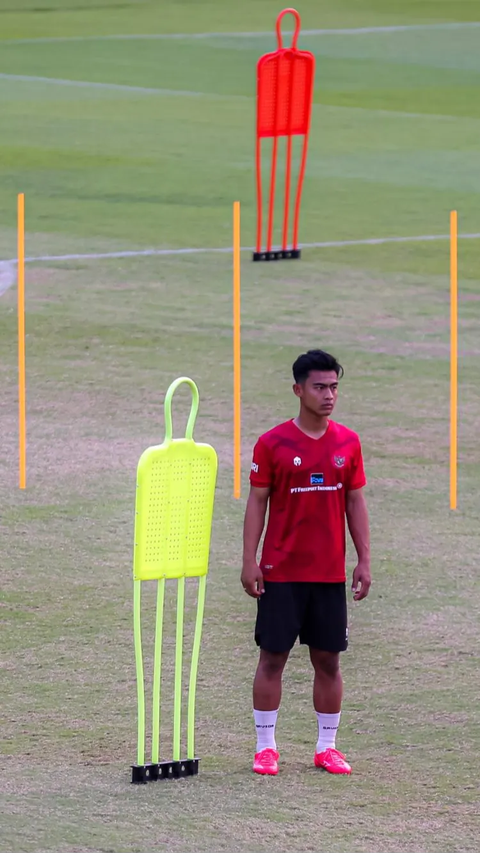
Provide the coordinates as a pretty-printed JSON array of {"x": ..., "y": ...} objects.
[
  {"x": 143, "y": 773},
  {"x": 278, "y": 255}
]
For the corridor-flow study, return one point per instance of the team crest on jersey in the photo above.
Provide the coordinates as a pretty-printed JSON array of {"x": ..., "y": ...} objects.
[
  {"x": 339, "y": 461},
  {"x": 297, "y": 461}
]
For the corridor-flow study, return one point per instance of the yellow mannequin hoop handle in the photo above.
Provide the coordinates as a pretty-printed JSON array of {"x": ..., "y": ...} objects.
[{"x": 168, "y": 408}]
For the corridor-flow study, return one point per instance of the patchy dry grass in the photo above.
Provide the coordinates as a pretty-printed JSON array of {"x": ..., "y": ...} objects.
[{"x": 97, "y": 375}]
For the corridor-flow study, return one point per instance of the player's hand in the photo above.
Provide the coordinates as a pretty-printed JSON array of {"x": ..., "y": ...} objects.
[
  {"x": 252, "y": 580},
  {"x": 361, "y": 581}
]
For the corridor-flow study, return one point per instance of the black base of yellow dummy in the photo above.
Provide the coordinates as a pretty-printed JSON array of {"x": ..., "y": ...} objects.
[{"x": 143, "y": 773}]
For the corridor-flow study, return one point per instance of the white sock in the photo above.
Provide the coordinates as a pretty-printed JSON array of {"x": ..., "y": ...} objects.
[
  {"x": 327, "y": 730},
  {"x": 265, "y": 722}
]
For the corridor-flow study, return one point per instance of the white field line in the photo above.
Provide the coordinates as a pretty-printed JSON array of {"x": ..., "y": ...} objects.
[
  {"x": 8, "y": 274},
  {"x": 117, "y": 87},
  {"x": 8, "y": 267},
  {"x": 353, "y": 31},
  {"x": 144, "y": 90}
]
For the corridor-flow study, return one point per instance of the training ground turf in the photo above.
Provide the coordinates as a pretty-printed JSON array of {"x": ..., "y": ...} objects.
[{"x": 155, "y": 160}]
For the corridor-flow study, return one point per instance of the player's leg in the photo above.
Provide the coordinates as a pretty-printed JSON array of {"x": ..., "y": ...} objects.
[
  {"x": 267, "y": 693},
  {"x": 327, "y": 682},
  {"x": 267, "y": 684},
  {"x": 325, "y": 632},
  {"x": 280, "y": 613},
  {"x": 327, "y": 701}
]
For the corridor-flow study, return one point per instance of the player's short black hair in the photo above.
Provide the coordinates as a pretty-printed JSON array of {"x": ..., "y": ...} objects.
[{"x": 315, "y": 359}]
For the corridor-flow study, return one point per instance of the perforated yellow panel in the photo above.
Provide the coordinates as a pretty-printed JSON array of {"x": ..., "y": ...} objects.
[{"x": 174, "y": 509}]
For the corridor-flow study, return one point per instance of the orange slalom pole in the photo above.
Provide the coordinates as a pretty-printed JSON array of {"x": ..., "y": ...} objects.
[
  {"x": 453, "y": 357},
  {"x": 237, "y": 459},
  {"x": 22, "y": 426}
]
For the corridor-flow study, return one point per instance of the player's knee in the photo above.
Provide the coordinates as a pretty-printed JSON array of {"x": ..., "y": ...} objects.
[
  {"x": 272, "y": 664},
  {"x": 326, "y": 664}
]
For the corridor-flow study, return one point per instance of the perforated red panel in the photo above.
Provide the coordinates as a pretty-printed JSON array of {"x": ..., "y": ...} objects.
[
  {"x": 285, "y": 81},
  {"x": 284, "y": 92}
]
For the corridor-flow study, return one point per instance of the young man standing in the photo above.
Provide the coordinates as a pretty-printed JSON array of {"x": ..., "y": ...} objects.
[{"x": 309, "y": 472}]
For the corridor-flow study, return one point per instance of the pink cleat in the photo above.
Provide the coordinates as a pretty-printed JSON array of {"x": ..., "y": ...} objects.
[
  {"x": 265, "y": 762},
  {"x": 333, "y": 761}
]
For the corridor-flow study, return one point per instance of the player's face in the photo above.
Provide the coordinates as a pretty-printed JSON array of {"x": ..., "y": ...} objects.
[{"x": 318, "y": 394}]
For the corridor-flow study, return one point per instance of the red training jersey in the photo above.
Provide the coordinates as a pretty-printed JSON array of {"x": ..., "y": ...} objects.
[{"x": 308, "y": 480}]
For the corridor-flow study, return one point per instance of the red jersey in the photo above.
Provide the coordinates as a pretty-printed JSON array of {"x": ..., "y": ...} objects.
[{"x": 308, "y": 479}]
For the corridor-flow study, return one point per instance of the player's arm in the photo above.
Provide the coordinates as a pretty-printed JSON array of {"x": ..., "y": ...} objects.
[
  {"x": 358, "y": 525},
  {"x": 252, "y": 577}
]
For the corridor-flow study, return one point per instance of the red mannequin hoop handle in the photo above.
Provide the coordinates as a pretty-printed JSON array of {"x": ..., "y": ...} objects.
[{"x": 279, "y": 27}]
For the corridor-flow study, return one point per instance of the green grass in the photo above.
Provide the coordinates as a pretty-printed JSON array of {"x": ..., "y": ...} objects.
[
  {"x": 36, "y": 18},
  {"x": 394, "y": 147}
]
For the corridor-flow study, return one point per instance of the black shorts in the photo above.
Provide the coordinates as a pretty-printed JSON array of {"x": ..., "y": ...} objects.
[{"x": 314, "y": 612}]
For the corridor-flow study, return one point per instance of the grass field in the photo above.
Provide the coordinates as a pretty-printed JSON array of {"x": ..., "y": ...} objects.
[{"x": 152, "y": 158}]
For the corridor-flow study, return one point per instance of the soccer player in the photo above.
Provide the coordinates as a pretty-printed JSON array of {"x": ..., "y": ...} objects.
[{"x": 309, "y": 472}]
